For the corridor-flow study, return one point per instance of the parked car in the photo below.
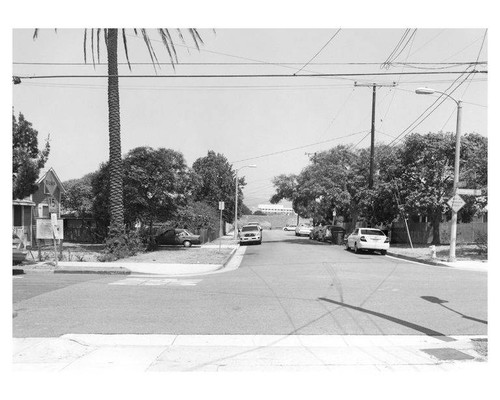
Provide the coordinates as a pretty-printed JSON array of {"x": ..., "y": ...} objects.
[
  {"x": 314, "y": 233},
  {"x": 368, "y": 239},
  {"x": 250, "y": 234},
  {"x": 179, "y": 237},
  {"x": 18, "y": 254},
  {"x": 290, "y": 228},
  {"x": 303, "y": 230}
]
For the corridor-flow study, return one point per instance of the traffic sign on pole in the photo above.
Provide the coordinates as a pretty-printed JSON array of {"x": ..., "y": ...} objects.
[{"x": 456, "y": 203}]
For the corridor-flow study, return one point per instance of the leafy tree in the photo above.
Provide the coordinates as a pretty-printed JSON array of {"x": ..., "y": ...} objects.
[
  {"x": 245, "y": 210},
  {"x": 117, "y": 227},
  {"x": 197, "y": 215},
  {"x": 78, "y": 198},
  {"x": 27, "y": 158},
  {"x": 156, "y": 183},
  {"x": 217, "y": 183},
  {"x": 422, "y": 174}
]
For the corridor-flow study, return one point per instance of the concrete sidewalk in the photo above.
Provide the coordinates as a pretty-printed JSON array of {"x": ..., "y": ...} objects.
[
  {"x": 460, "y": 264},
  {"x": 144, "y": 353}
]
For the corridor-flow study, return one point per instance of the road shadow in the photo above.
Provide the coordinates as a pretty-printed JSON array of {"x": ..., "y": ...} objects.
[
  {"x": 411, "y": 325},
  {"x": 441, "y": 302}
]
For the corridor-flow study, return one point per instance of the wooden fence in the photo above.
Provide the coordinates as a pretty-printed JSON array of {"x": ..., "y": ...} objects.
[{"x": 423, "y": 232}]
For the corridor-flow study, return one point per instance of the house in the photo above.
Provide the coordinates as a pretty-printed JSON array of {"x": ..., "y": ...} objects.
[{"x": 39, "y": 205}]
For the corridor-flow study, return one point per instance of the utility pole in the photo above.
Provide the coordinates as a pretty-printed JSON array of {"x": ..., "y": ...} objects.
[{"x": 372, "y": 148}]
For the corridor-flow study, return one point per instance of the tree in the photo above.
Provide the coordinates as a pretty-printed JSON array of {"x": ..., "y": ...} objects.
[
  {"x": 245, "y": 210},
  {"x": 27, "y": 158},
  {"x": 117, "y": 226},
  {"x": 217, "y": 183},
  {"x": 156, "y": 183},
  {"x": 78, "y": 197},
  {"x": 422, "y": 174}
]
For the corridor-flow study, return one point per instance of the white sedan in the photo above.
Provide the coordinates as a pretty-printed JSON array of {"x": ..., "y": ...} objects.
[{"x": 367, "y": 239}]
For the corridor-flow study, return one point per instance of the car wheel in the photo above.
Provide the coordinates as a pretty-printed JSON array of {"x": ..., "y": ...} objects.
[
  {"x": 186, "y": 243},
  {"x": 383, "y": 252},
  {"x": 356, "y": 250}
]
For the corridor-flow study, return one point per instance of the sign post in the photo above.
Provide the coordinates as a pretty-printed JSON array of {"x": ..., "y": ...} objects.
[
  {"x": 55, "y": 233},
  {"x": 221, "y": 208}
]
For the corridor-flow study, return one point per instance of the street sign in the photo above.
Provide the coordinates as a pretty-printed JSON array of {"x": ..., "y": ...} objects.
[
  {"x": 50, "y": 183},
  {"x": 53, "y": 206},
  {"x": 221, "y": 205},
  {"x": 469, "y": 192},
  {"x": 456, "y": 203}
]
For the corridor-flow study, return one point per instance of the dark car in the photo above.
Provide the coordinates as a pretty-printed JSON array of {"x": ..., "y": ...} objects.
[
  {"x": 18, "y": 253},
  {"x": 177, "y": 237},
  {"x": 314, "y": 234}
]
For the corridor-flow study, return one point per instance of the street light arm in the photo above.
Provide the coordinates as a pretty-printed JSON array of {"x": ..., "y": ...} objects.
[{"x": 432, "y": 91}]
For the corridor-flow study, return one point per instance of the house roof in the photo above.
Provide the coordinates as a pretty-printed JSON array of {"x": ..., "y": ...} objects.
[{"x": 59, "y": 183}]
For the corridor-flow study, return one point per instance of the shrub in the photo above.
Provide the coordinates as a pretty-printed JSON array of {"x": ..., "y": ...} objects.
[
  {"x": 482, "y": 242},
  {"x": 122, "y": 245}
]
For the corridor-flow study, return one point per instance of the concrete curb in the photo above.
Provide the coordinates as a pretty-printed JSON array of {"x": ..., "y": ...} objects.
[
  {"x": 415, "y": 259},
  {"x": 92, "y": 270}
]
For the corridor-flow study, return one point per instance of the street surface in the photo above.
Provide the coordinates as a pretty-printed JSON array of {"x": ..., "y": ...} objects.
[{"x": 287, "y": 286}]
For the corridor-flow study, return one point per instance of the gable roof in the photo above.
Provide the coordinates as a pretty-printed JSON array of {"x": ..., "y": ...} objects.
[{"x": 59, "y": 183}]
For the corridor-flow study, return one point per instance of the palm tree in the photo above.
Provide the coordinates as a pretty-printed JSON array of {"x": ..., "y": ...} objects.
[{"x": 117, "y": 226}]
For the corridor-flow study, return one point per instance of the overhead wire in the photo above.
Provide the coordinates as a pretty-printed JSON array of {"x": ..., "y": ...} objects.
[
  {"x": 413, "y": 126},
  {"x": 313, "y": 75},
  {"x": 297, "y": 148},
  {"x": 320, "y": 50}
]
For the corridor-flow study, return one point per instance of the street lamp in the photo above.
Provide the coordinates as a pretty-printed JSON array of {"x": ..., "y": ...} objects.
[
  {"x": 453, "y": 231},
  {"x": 236, "y": 200}
]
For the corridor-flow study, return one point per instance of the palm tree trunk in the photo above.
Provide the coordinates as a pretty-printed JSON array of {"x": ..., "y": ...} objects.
[{"x": 115, "y": 158}]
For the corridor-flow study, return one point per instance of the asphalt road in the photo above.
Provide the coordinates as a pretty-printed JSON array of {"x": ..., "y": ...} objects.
[{"x": 287, "y": 285}]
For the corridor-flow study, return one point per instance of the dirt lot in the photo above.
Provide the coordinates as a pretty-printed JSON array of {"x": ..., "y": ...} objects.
[
  {"x": 182, "y": 255},
  {"x": 422, "y": 252},
  {"x": 91, "y": 253}
]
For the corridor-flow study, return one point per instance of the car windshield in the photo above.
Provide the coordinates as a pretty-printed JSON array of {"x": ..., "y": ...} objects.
[
  {"x": 249, "y": 228},
  {"x": 372, "y": 232}
]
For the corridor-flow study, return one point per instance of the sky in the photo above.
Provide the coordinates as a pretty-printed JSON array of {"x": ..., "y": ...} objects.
[{"x": 276, "y": 123}]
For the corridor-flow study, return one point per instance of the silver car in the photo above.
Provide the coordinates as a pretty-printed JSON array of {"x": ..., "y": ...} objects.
[{"x": 250, "y": 234}]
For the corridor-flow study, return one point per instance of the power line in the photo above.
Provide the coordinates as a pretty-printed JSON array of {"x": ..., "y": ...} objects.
[
  {"x": 297, "y": 148},
  {"x": 314, "y": 75},
  {"x": 412, "y": 126},
  {"x": 320, "y": 50},
  {"x": 262, "y": 63}
]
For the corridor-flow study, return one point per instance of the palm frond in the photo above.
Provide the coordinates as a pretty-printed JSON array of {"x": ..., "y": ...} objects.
[
  {"x": 196, "y": 37},
  {"x": 124, "y": 37},
  {"x": 92, "y": 46},
  {"x": 85, "y": 45},
  {"x": 150, "y": 48},
  {"x": 167, "y": 42},
  {"x": 98, "y": 45}
]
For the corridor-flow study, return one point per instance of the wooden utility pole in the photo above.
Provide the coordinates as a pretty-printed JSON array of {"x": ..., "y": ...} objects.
[{"x": 372, "y": 148}]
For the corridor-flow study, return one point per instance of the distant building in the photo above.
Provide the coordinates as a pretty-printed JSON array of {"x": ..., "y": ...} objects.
[{"x": 275, "y": 209}]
